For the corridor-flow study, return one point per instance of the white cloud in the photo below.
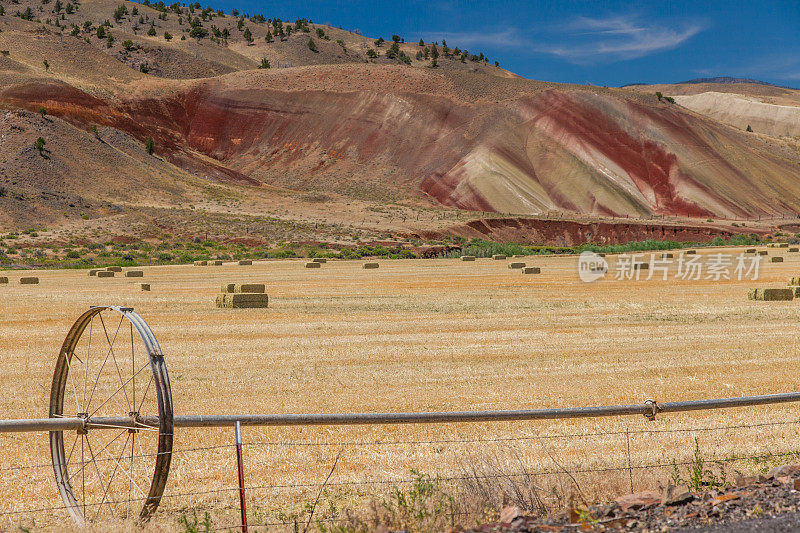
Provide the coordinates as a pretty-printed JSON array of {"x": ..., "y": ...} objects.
[{"x": 616, "y": 38}]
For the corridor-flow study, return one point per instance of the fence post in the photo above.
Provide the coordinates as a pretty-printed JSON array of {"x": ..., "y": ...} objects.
[
  {"x": 238, "y": 432},
  {"x": 628, "y": 445}
]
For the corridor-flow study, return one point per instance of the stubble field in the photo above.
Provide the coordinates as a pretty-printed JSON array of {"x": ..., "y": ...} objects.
[{"x": 419, "y": 335}]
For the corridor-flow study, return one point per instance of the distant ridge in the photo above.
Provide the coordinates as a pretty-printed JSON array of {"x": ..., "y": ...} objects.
[
  {"x": 728, "y": 79},
  {"x": 720, "y": 79}
]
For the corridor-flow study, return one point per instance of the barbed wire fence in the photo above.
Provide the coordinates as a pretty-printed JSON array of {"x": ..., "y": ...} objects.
[{"x": 545, "y": 462}]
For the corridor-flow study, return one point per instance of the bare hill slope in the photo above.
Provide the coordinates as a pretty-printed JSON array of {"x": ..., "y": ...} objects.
[{"x": 463, "y": 135}]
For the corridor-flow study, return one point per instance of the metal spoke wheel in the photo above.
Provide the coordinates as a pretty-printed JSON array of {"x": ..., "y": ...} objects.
[{"x": 111, "y": 374}]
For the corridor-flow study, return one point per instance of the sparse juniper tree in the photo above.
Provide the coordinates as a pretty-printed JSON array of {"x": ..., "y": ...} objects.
[
  {"x": 167, "y": 36},
  {"x": 101, "y": 32},
  {"x": 419, "y": 55},
  {"x": 43, "y": 111},
  {"x": 396, "y": 38},
  {"x": 46, "y": 65},
  {"x": 70, "y": 9},
  {"x": 2, "y": 11},
  {"x": 659, "y": 96},
  {"x": 152, "y": 31},
  {"x": 240, "y": 24},
  {"x": 434, "y": 52},
  {"x": 371, "y": 54},
  {"x": 75, "y": 31},
  {"x": 269, "y": 38},
  {"x": 749, "y": 128},
  {"x": 226, "y": 33},
  {"x": 434, "y": 64},
  {"x": 264, "y": 63},
  {"x": 320, "y": 33},
  {"x": 39, "y": 144},
  {"x": 421, "y": 42},
  {"x": 497, "y": 63},
  {"x": 110, "y": 41},
  {"x": 312, "y": 45},
  {"x": 248, "y": 36},
  {"x": 426, "y": 52},
  {"x": 149, "y": 146},
  {"x": 135, "y": 11},
  {"x": 379, "y": 41}
]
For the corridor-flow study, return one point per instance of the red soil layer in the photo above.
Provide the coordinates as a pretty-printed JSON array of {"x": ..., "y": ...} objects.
[
  {"x": 411, "y": 144},
  {"x": 571, "y": 233}
]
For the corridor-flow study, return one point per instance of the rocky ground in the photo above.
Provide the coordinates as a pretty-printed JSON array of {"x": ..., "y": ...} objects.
[{"x": 763, "y": 503}]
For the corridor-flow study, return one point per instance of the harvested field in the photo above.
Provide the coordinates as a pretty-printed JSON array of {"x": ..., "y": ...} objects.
[{"x": 427, "y": 335}]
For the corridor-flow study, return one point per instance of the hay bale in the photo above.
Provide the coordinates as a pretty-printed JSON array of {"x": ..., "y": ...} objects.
[
  {"x": 221, "y": 300},
  {"x": 94, "y": 271},
  {"x": 468, "y": 258},
  {"x": 518, "y": 256},
  {"x": 216, "y": 263},
  {"x": 3, "y": 280},
  {"x": 667, "y": 256},
  {"x": 777, "y": 259},
  {"x": 783, "y": 245},
  {"x": 251, "y": 288},
  {"x": 750, "y": 251},
  {"x": 791, "y": 250},
  {"x": 200, "y": 263},
  {"x": 498, "y": 257},
  {"x": 320, "y": 260},
  {"x": 145, "y": 287},
  {"x": 516, "y": 265},
  {"x": 113, "y": 269},
  {"x": 245, "y": 262},
  {"x": 531, "y": 270},
  {"x": 690, "y": 252},
  {"x": 106, "y": 274},
  {"x": 770, "y": 295},
  {"x": 762, "y": 252},
  {"x": 242, "y": 301},
  {"x": 641, "y": 266},
  {"x": 134, "y": 274},
  {"x": 312, "y": 264},
  {"x": 370, "y": 266},
  {"x": 29, "y": 281}
]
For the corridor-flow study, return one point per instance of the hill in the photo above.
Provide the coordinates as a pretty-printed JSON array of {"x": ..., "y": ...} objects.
[
  {"x": 768, "y": 109},
  {"x": 390, "y": 145}
]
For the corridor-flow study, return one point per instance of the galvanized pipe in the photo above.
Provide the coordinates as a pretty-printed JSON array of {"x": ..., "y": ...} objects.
[{"x": 338, "y": 419}]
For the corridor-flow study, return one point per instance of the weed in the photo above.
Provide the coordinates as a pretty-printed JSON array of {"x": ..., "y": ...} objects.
[
  {"x": 194, "y": 524},
  {"x": 698, "y": 476}
]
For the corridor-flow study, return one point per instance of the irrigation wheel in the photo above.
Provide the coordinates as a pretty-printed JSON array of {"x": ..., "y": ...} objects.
[{"x": 115, "y": 467}]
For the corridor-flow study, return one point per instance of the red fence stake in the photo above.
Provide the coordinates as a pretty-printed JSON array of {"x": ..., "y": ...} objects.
[{"x": 239, "y": 462}]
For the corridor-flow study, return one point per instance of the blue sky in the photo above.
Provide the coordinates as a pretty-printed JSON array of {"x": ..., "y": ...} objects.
[{"x": 599, "y": 42}]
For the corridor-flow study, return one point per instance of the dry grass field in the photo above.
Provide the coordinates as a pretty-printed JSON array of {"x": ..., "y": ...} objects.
[{"x": 417, "y": 335}]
